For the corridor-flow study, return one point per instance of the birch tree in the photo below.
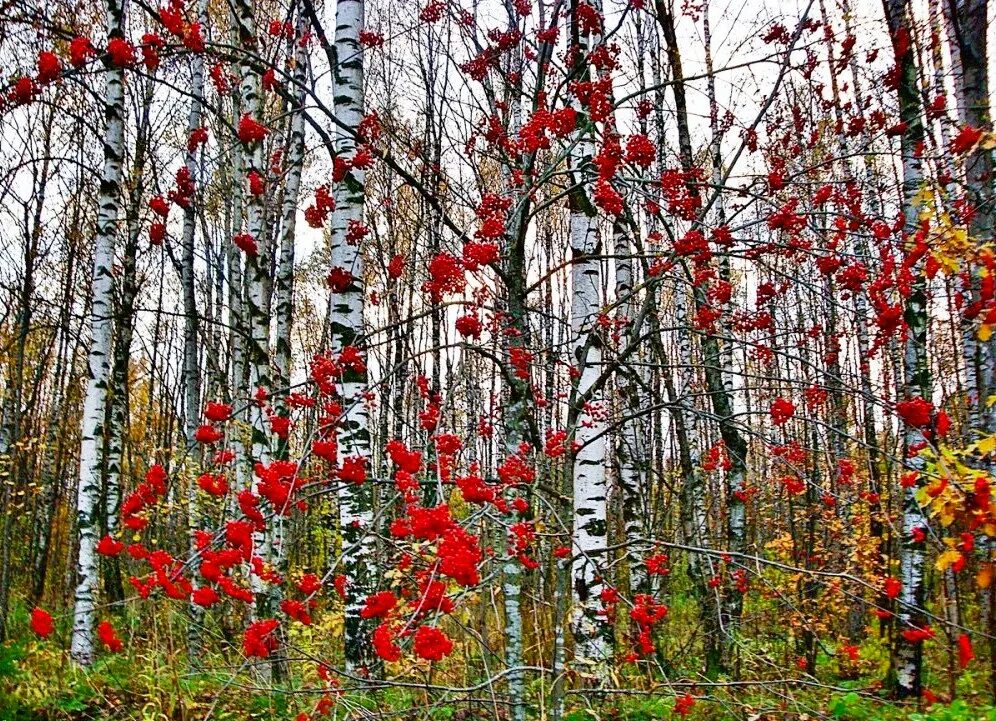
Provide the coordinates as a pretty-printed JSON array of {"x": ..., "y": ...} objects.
[
  {"x": 284, "y": 285},
  {"x": 347, "y": 331},
  {"x": 908, "y": 659},
  {"x": 716, "y": 369},
  {"x": 592, "y": 650},
  {"x": 99, "y": 356},
  {"x": 256, "y": 247},
  {"x": 191, "y": 319},
  {"x": 127, "y": 294}
]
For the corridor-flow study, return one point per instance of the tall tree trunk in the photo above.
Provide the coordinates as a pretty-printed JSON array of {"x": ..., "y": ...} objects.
[
  {"x": 99, "y": 357},
  {"x": 356, "y": 513},
  {"x": 630, "y": 443},
  {"x": 908, "y": 656},
  {"x": 284, "y": 285},
  {"x": 717, "y": 374},
  {"x": 64, "y": 368},
  {"x": 117, "y": 426},
  {"x": 869, "y": 431},
  {"x": 257, "y": 272},
  {"x": 967, "y": 23},
  {"x": 630, "y": 451},
  {"x": 191, "y": 329},
  {"x": 592, "y": 650},
  {"x": 237, "y": 328},
  {"x": 518, "y": 409},
  {"x": 284, "y": 282},
  {"x": 518, "y": 420}
]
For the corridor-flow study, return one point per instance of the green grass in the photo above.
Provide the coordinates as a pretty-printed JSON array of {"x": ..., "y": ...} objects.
[{"x": 151, "y": 681}]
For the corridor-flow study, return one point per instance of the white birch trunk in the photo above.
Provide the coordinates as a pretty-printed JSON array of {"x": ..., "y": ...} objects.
[
  {"x": 589, "y": 484},
  {"x": 120, "y": 366},
  {"x": 590, "y": 491},
  {"x": 236, "y": 313},
  {"x": 257, "y": 267},
  {"x": 908, "y": 660},
  {"x": 347, "y": 329},
  {"x": 512, "y": 569},
  {"x": 191, "y": 367},
  {"x": 284, "y": 286},
  {"x": 99, "y": 357},
  {"x": 631, "y": 448}
]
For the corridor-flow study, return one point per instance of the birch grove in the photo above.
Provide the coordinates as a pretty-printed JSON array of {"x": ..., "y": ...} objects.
[{"x": 505, "y": 359}]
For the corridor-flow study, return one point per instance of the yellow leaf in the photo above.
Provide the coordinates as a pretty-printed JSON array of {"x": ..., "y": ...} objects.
[
  {"x": 946, "y": 559},
  {"x": 984, "y": 577},
  {"x": 984, "y": 333},
  {"x": 986, "y": 445},
  {"x": 923, "y": 198}
]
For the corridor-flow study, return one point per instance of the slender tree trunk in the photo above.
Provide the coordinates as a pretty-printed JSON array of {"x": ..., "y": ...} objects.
[
  {"x": 516, "y": 417},
  {"x": 284, "y": 285},
  {"x": 908, "y": 656},
  {"x": 347, "y": 330},
  {"x": 191, "y": 330},
  {"x": 65, "y": 363},
  {"x": 592, "y": 650},
  {"x": 631, "y": 444},
  {"x": 630, "y": 440},
  {"x": 257, "y": 274},
  {"x": 718, "y": 375},
  {"x": 869, "y": 431},
  {"x": 117, "y": 426},
  {"x": 966, "y": 22},
  {"x": 284, "y": 281},
  {"x": 237, "y": 328},
  {"x": 101, "y": 327}
]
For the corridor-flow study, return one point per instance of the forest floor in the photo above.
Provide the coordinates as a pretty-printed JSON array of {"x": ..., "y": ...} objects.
[
  {"x": 152, "y": 681},
  {"x": 39, "y": 684}
]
